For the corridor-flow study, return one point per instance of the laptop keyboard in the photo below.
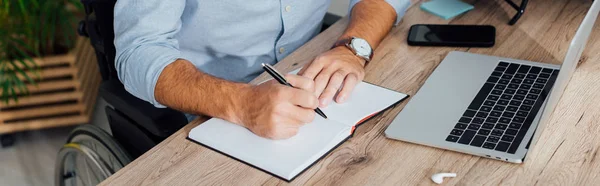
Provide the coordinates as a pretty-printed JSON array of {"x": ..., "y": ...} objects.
[{"x": 504, "y": 109}]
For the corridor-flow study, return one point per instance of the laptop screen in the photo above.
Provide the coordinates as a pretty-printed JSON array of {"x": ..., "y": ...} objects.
[{"x": 568, "y": 66}]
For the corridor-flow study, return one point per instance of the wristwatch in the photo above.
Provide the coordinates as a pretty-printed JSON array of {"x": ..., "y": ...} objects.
[{"x": 358, "y": 46}]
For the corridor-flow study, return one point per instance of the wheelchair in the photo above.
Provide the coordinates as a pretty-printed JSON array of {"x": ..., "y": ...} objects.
[{"x": 91, "y": 154}]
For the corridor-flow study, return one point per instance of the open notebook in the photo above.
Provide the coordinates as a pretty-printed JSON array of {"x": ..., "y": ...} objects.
[{"x": 288, "y": 158}]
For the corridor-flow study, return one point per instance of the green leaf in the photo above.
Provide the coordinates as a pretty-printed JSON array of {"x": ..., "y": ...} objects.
[
  {"x": 26, "y": 46},
  {"x": 13, "y": 93},
  {"x": 5, "y": 86},
  {"x": 23, "y": 55},
  {"x": 19, "y": 84},
  {"x": 9, "y": 88},
  {"x": 23, "y": 8},
  {"x": 22, "y": 72},
  {"x": 26, "y": 61}
]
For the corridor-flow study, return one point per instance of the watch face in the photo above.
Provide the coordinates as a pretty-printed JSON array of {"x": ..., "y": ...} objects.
[{"x": 361, "y": 46}]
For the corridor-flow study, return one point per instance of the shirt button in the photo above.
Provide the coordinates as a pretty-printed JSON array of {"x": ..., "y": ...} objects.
[
  {"x": 288, "y": 8},
  {"x": 281, "y": 50}
]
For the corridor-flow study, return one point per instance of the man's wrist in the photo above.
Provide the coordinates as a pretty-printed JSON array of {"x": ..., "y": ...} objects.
[
  {"x": 357, "y": 46},
  {"x": 237, "y": 100},
  {"x": 342, "y": 41},
  {"x": 361, "y": 60}
]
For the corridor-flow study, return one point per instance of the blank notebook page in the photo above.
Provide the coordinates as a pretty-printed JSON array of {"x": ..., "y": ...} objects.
[
  {"x": 367, "y": 99},
  {"x": 285, "y": 158}
]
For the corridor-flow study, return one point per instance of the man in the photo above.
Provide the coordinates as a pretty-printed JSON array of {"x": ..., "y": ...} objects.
[{"x": 196, "y": 56}]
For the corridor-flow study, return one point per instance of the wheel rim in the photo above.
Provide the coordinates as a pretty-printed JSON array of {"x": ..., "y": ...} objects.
[
  {"x": 80, "y": 165},
  {"x": 89, "y": 157},
  {"x": 101, "y": 150}
]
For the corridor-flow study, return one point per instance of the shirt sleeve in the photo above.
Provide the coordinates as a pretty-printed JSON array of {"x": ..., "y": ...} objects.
[
  {"x": 399, "y": 5},
  {"x": 145, "y": 43}
]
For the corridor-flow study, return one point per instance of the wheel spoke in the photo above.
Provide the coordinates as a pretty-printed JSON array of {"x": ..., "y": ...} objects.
[
  {"x": 87, "y": 171},
  {"x": 94, "y": 171}
]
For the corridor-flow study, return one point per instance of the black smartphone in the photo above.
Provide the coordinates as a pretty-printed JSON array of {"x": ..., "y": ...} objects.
[{"x": 452, "y": 35}]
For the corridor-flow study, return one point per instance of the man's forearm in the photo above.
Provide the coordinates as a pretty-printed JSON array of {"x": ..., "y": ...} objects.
[
  {"x": 183, "y": 87},
  {"x": 370, "y": 20}
]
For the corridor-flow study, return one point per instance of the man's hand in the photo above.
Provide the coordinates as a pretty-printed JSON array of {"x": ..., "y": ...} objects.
[
  {"x": 276, "y": 111},
  {"x": 269, "y": 110},
  {"x": 332, "y": 70},
  {"x": 340, "y": 67}
]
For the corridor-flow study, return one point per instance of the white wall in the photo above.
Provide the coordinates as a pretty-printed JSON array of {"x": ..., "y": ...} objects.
[{"x": 339, "y": 7}]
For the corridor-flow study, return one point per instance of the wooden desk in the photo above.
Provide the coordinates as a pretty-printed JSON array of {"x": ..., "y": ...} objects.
[{"x": 567, "y": 153}]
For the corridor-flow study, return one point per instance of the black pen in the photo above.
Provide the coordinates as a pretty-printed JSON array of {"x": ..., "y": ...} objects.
[{"x": 276, "y": 75}]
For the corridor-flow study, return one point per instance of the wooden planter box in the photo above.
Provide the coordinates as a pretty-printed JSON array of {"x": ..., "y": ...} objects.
[{"x": 65, "y": 93}]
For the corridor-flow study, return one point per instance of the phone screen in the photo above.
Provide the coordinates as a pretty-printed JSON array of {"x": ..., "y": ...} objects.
[{"x": 452, "y": 35}]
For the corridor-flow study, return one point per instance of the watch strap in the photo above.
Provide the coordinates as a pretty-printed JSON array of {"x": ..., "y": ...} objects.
[
  {"x": 346, "y": 42},
  {"x": 342, "y": 42}
]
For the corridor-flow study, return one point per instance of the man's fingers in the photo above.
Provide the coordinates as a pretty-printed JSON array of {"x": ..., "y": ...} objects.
[
  {"x": 302, "y": 115},
  {"x": 322, "y": 80},
  {"x": 286, "y": 128},
  {"x": 349, "y": 84},
  {"x": 335, "y": 82},
  {"x": 301, "y": 82},
  {"x": 304, "y": 99},
  {"x": 311, "y": 70},
  {"x": 303, "y": 69}
]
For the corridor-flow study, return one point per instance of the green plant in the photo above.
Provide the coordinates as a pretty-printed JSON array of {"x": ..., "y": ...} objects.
[{"x": 29, "y": 29}]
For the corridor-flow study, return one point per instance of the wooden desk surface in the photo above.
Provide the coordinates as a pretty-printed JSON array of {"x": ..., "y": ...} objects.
[{"x": 567, "y": 153}]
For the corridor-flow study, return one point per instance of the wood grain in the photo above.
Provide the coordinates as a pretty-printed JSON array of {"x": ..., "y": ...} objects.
[{"x": 567, "y": 153}]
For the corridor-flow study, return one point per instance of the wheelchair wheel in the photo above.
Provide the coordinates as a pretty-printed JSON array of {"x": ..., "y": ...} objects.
[{"x": 90, "y": 156}]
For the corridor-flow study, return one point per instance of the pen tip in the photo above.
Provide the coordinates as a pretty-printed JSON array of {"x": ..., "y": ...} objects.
[{"x": 263, "y": 64}]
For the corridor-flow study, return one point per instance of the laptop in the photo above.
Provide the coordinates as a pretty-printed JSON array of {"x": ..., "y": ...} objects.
[{"x": 488, "y": 106}]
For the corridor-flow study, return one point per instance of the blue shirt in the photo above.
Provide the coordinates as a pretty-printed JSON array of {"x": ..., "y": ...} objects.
[{"x": 228, "y": 39}]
